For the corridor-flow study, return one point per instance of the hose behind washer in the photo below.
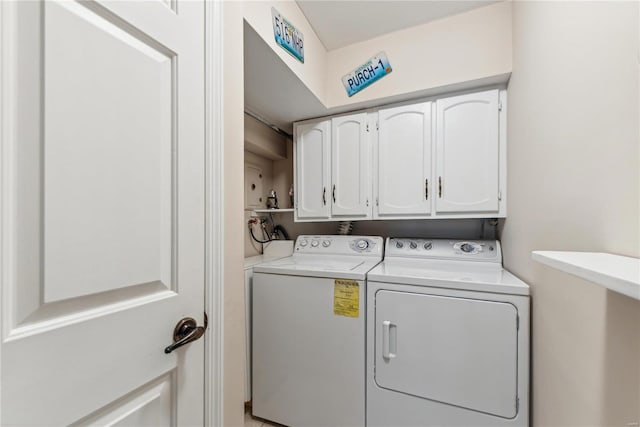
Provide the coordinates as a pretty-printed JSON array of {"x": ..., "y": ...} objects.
[
  {"x": 256, "y": 239},
  {"x": 280, "y": 229}
]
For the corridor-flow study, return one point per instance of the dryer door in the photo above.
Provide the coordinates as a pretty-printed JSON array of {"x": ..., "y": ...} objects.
[{"x": 456, "y": 351}]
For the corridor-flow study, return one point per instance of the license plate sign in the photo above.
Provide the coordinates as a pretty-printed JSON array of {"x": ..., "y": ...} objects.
[
  {"x": 287, "y": 36},
  {"x": 371, "y": 71}
]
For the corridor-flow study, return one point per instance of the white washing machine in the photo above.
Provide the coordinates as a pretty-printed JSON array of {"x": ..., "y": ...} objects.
[
  {"x": 309, "y": 332},
  {"x": 447, "y": 337}
]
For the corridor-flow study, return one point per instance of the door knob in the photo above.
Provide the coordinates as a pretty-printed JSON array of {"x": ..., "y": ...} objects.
[{"x": 186, "y": 331}]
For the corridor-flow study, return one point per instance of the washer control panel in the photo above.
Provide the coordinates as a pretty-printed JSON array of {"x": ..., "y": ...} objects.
[
  {"x": 460, "y": 250},
  {"x": 340, "y": 245}
]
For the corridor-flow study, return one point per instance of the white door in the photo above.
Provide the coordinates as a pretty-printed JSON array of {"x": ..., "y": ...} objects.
[
  {"x": 350, "y": 166},
  {"x": 403, "y": 159},
  {"x": 102, "y": 211},
  {"x": 457, "y": 351},
  {"x": 467, "y": 144},
  {"x": 312, "y": 170}
]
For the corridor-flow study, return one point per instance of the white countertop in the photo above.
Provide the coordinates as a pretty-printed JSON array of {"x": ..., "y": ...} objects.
[{"x": 616, "y": 272}]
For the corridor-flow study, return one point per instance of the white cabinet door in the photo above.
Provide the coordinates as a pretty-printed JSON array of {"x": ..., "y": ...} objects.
[
  {"x": 467, "y": 149},
  {"x": 103, "y": 190},
  {"x": 403, "y": 161},
  {"x": 350, "y": 166},
  {"x": 312, "y": 170}
]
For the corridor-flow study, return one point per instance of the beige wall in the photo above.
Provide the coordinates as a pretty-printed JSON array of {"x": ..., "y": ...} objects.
[
  {"x": 233, "y": 287},
  {"x": 251, "y": 247},
  {"x": 469, "y": 46},
  {"x": 276, "y": 174},
  {"x": 283, "y": 177},
  {"x": 313, "y": 72},
  {"x": 574, "y": 184},
  {"x": 262, "y": 140}
]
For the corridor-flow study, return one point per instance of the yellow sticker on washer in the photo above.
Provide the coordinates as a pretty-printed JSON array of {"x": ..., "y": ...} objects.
[{"x": 346, "y": 298}]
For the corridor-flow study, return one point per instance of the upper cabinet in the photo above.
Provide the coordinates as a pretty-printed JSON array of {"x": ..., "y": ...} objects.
[
  {"x": 402, "y": 161},
  {"x": 312, "y": 170},
  {"x": 467, "y": 150},
  {"x": 442, "y": 158},
  {"x": 350, "y": 166},
  {"x": 333, "y": 168}
]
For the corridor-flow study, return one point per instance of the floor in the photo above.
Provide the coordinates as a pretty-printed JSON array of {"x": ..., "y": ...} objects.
[{"x": 249, "y": 421}]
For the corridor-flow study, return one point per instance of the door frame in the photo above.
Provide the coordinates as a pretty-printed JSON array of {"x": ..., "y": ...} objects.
[
  {"x": 5, "y": 165},
  {"x": 214, "y": 215}
]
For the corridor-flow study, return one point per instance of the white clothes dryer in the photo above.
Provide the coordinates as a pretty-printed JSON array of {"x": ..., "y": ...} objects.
[
  {"x": 447, "y": 337},
  {"x": 309, "y": 332}
]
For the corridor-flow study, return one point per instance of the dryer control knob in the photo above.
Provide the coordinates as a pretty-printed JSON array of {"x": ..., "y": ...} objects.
[
  {"x": 399, "y": 244},
  {"x": 428, "y": 246},
  {"x": 303, "y": 243},
  {"x": 326, "y": 243},
  {"x": 362, "y": 244},
  {"x": 467, "y": 248},
  {"x": 413, "y": 245},
  {"x": 314, "y": 243}
]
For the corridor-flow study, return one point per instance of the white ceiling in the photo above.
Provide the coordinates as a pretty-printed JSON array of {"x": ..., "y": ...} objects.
[{"x": 341, "y": 23}]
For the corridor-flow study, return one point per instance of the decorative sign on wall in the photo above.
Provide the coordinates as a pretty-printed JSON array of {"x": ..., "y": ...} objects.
[
  {"x": 287, "y": 36},
  {"x": 366, "y": 74}
]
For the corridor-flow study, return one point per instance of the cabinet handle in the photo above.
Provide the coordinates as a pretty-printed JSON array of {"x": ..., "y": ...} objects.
[
  {"x": 334, "y": 193},
  {"x": 440, "y": 186},
  {"x": 324, "y": 196},
  {"x": 426, "y": 189}
]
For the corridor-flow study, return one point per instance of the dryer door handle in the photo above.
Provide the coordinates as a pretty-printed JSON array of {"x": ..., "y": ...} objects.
[{"x": 389, "y": 339}]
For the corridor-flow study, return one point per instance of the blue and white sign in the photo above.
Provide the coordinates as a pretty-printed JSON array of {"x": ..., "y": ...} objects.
[
  {"x": 287, "y": 36},
  {"x": 366, "y": 74}
]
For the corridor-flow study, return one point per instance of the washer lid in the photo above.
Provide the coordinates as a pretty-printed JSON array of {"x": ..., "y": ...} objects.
[
  {"x": 471, "y": 276},
  {"x": 345, "y": 267}
]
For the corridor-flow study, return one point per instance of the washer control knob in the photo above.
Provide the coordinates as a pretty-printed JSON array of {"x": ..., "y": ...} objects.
[
  {"x": 428, "y": 246},
  {"x": 399, "y": 244},
  {"x": 362, "y": 244},
  {"x": 303, "y": 243},
  {"x": 326, "y": 243},
  {"x": 413, "y": 245},
  {"x": 314, "y": 243}
]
